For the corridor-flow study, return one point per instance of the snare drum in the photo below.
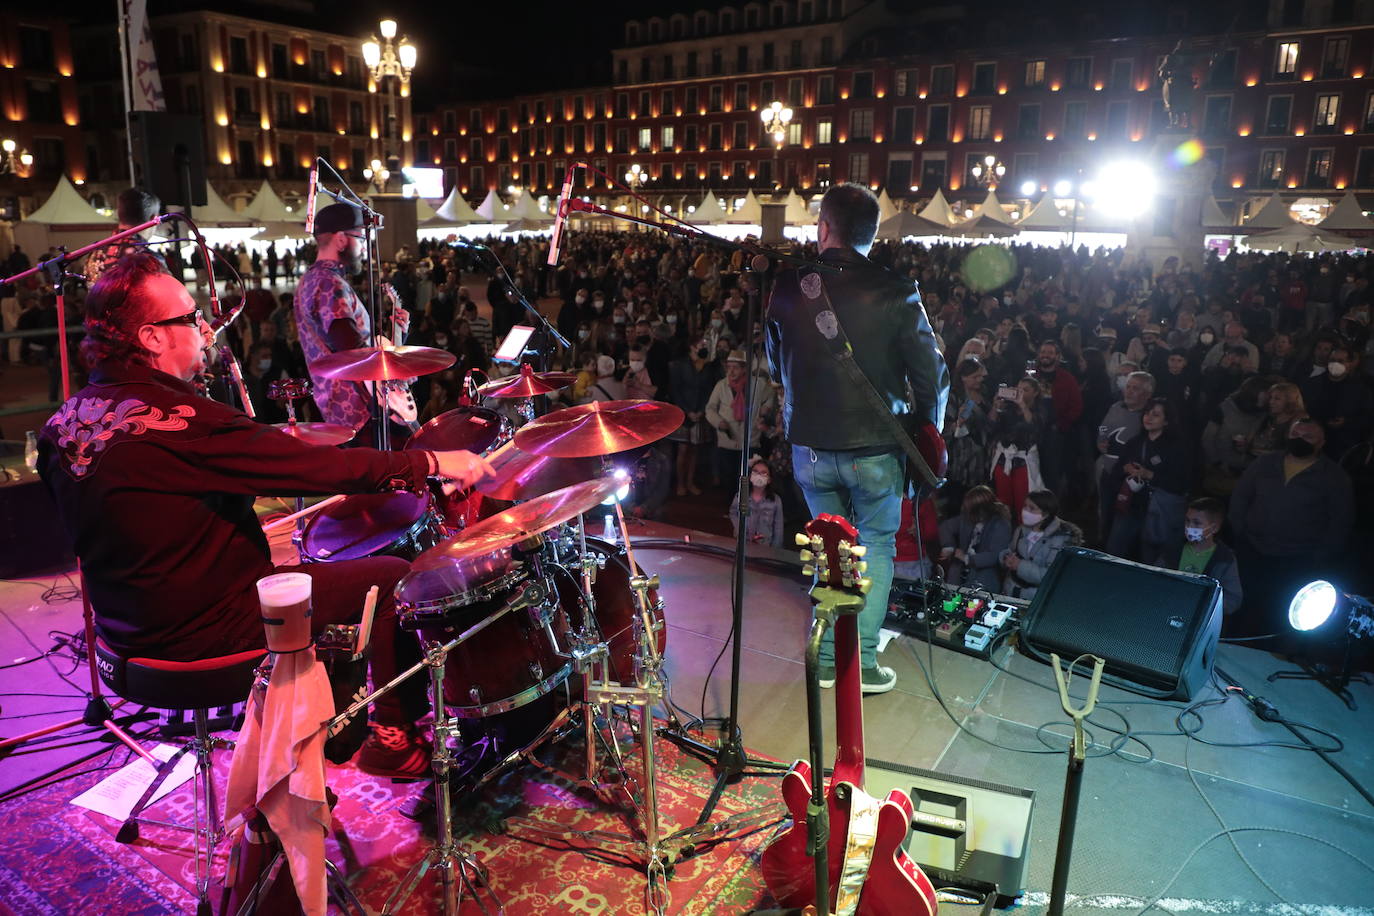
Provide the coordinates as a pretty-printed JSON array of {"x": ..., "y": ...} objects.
[
  {"x": 395, "y": 524},
  {"x": 475, "y": 429},
  {"x": 517, "y": 659},
  {"x": 617, "y": 607}
]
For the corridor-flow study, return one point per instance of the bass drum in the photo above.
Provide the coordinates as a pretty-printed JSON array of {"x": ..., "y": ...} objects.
[{"x": 616, "y": 607}]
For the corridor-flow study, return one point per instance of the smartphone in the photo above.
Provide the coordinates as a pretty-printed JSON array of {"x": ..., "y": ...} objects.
[{"x": 1009, "y": 393}]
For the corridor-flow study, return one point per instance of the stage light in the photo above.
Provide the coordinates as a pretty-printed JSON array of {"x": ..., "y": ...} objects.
[
  {"x": 1126, "y": 188},
  {"x": 1318, "y": 602},
  {"x": 1063, "y": 188},
  {"x": 1028, "y": 188},
  {"x": 621, "y": 491}
]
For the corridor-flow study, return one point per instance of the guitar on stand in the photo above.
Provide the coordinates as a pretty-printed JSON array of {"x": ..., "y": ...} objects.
[
  {"x": 843, "y": 852},
  {"x": 400, "y": 403}
]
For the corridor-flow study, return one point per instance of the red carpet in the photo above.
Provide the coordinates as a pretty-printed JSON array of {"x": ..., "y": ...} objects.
[{"x": 59, "y": 859}]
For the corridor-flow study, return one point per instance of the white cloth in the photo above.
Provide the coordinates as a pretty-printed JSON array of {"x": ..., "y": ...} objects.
[{"x": 278, "y": 768}]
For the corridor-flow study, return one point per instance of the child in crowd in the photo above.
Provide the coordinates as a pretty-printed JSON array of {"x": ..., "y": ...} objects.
[
  {"x": 1035, "y": 544},
  {"x": 763, "y": 525},
  {"x": 974, "y": 540}
]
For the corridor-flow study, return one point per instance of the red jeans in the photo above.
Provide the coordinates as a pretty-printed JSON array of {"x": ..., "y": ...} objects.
[{"x": 1012, "y": 488}]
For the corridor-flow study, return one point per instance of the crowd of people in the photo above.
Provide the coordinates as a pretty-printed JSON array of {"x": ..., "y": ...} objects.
[{"x": 1214, "y": 418}]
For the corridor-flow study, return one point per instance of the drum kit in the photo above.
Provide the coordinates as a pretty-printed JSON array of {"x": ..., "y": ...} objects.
[{"x": 533, "y": 632}]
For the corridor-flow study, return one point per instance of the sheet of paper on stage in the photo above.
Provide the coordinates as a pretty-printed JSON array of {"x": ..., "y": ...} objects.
[{"x": 115, "y": 795}]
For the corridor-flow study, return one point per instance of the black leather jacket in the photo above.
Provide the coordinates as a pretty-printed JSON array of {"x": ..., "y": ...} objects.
[{"x": 882, "y": 315}]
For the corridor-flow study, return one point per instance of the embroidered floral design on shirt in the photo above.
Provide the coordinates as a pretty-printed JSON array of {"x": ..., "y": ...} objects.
[{"x": 84, "y": 427}]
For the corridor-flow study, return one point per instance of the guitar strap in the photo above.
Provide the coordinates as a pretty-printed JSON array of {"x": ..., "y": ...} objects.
[
  {"x": 828, "y": 323},
  {"x": 858, "y": 850}
]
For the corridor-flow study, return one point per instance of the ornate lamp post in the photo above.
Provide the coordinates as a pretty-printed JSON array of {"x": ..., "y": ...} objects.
[
  {"x": 392, "y": 62},
  {"x": 775, "y": 120},
  {"x": 989, "y": 172},
  {"x": 15, "y": 161},
  {"x": 377, "y": 174}
]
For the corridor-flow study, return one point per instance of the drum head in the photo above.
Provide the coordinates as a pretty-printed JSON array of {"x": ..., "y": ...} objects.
[
  {"x": 362, "y": 525},
  {"x": 475, "y": 429},
  {"x": 447, "y": 581}
]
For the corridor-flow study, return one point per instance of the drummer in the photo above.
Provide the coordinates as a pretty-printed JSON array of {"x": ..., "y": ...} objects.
[
  {"x": 155, "y": 487},
  {"x": 331, "y": 318}
]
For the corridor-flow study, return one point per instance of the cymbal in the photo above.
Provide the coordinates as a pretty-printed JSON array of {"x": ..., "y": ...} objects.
[
  {"x": 522, "y": 475},
  {"x": 528, "y": 384},
  {"x": 317, "y": 433},
  {"x": 374, "y": 364},
  {"x": 518, "y": 523},
  {"x": 599, "y": 428}
]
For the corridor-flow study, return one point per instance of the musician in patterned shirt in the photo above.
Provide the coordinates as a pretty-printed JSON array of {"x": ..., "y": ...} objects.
[
  {"x": 330, "y": 317},
  {"x": 133, "y": 207}
]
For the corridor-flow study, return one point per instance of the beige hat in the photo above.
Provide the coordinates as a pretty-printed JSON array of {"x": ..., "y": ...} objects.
[{"x": 737, "y": 356}]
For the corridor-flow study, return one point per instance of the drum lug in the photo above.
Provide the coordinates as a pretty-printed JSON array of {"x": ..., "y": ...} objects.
[
  {"x": 536, "y": 671},
  {"x": 475, "y": 694}
]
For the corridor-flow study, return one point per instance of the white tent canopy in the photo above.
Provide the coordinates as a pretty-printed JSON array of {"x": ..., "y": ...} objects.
[
  {"x": 526, "y": 209},
  {"x": 266, "y": 207},
  {"x": 708, "y": 211},
  {"x": 216, "y": 212},
  {"x": 907, "y": 224},
  {"x": 454, "y": 211},
  {"x": 1045, "y": 217},
  {"x": 886, "y": 208},
  {"x": 1273, "y": 215},
  {"x": 492, "y": 209},
  {"x": 938, "y": 211},
  {"x": 66, "y": 207},
  {"x": 750, "y": 212},
  {"x": 988, "y": 219},
  {"x": 795, "y": 212},
  {"x": 1347, "y": 216},
  {"x": 1300, "y": 237},
  {"x": 1212, "y": 217}
]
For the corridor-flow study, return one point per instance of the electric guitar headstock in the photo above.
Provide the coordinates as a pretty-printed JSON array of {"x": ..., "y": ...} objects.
[{"x": 832, "y": 555}]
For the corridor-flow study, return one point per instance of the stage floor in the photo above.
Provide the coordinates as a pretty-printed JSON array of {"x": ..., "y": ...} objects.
[{"x": 1153, "y": 815}]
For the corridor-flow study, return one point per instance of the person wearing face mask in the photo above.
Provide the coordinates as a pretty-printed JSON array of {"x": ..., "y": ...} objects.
[
  {"x": 1118, "y": 426},
  {"x": 259, "y": 372},
  {"x": 1035, "y": 543},
  {"x": 1344, "y": 402},
  {"x": 655, "y": 352},
  {"x": 725, "y": 412},
  {"x": 1202, "y": 552},
  {"x": 691, "y": 381},
  {"x": 1233, "y": 337},
  {"x": 1291, "y": 515},
  {"x": 1150, "y": 482},
  {"x": 573, "y": 312},
  {"x": 763, "y": 524},
  {"x": 638, "y": 383}
]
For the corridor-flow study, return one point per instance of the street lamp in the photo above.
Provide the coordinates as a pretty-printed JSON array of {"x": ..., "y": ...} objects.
[
  {"x": 775, "y": 119},
  {"x": 387, "y": 59},
  {"x": 377, "y": 174},
  {"x": 15, "y": 160},
  {"x": 636, "y": 176},
  {"x": 989, "y": 172}
]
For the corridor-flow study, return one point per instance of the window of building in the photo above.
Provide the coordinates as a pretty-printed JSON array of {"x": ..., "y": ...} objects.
[
  {"x": 1319, "y": 168},
  {"x": 622, "y": 140},
  {"x": 737, "y": 171},
  {"x": 1028, "y": 122},
  {"x": 769, "y": 61},
  {"x": 645, "y": 105},
  {"x": 690, "y": 172},
  {"x": 825, "y": 90},
  {"x": 1286, "y": 59},
  {"x": 794, "y": 54},
  {"x": 717, "y": 98},
  {"x": 863, "y": 85},
  {"x": 667, "y": 137},
  {"x": 692, "y": 65},
  {"x": 984, "y": 78},
  {"x": 1222, "y": 74},
  {"x": 1118, "y": 116},
  {"x": 1364, "y": 169},
  {"x": 1271, "y": 168},
  {"x": 903, "y": 124},
  {"x": 318, "y": 70},
  {"x": 1334, "y": 55},
  {"x": 450, "y": 118},
  {"x": 35, "y": 48},
  {"x": 1328, "y": 110},
  {"x": 503, "y": 119},
  {"x": 475, "y": 149},
  {"x": 904, "y": 83},
  {"x": 717, "y": 62},
  {"x": 622, "y": 105},
  {"x": 861, "y": 124},
  {"x": 824, "y": 131},
  {"x": 691, "y": 106},
  {"x": 858, "y": 168},
  {"x": 942, "y": 80},
  {"x": 794, "y": 93},
  {"x": 579, "y": 109},
  {"x": 741, "y": 96},
  {"x": 741, "y": 139},
  {"x": 1075, "y": 119},
  {"x": 794, "y": 133},
  {"x": 1216, "y": 117},
  {"x": 247, "y": 164},
  {"x": 899, "y": 172},
  {"x": 823, "y": 173},
  {"x": 503, "y": 149},
  {"x": 937, "y": 130},
  {"x": 689, "y": 137},
  {"x": 742, "y": 59},
  {"x": 713, "y": 173},
  {"x": 716, "y": 134},
  {"x": 666, "y": 104},
  {"x": 356, "y": 125},
  {"x": 238, "y": 54},
  {"x": 1078, "y": 72},
  {"x": 934, "y": 170},
  {"x": 1023, "y": 168},
  {"x": 1035, "y": 74},
  {"x": 579, "y": 138},
  {"x": 645, "y": 70},
  {"x": 980, "y": 122},
  {"x": 598, "y": 137},
  {"x": 622, "y": 71},
  {"x": 44, "y": 104},
  {"x": 646, "y": 138},
  {"x": 766, "y": 92},
  {"x": 1278, "y": 115},
  {"x": 475, "y": 120},
  {"x": 1122, "y": 71},
  {"x": 827, "y": 51},
  {"x": 539, "y": 111}
]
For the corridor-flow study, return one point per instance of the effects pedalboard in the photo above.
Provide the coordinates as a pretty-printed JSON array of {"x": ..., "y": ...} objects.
[{"x": 965, "y": 620}]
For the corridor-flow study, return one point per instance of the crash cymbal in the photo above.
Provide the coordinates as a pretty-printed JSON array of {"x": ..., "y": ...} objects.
[
  {"x": 373, "y": 364},
  {"x": 599, "y": 428},
  {"x": 317, "y": 433},
  {"x": 522, "y": 475},
  {"x": 527, "y": 384},
  {"x": 518, "y": 523}
]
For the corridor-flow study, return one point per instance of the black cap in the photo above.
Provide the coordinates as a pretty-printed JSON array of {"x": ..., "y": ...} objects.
[{"x": 338, "y": 218}]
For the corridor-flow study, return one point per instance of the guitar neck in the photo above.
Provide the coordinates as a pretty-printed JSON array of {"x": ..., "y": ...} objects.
[{"x": 849, "y": 712}]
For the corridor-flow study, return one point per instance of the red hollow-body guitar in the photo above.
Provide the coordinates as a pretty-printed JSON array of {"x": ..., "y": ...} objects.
[{"x": 870, "y": 873}]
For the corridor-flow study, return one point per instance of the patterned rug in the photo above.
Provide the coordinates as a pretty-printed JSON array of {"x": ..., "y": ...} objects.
[{"x": 56, "y": 858}]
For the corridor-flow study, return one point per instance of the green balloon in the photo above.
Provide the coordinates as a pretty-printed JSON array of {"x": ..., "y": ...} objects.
[{"x": 989, "y": 267}]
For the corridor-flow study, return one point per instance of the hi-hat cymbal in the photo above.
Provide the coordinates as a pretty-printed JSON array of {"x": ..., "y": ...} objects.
[
  {"x": 599, "y": 428},
  {"x": 518, "y": 523},
  {"x": 527, "y": 384},
  {"x": 317, "y": 433},
  {"x": 375, "y": 364},
  {"x": 522, "y": 475}
]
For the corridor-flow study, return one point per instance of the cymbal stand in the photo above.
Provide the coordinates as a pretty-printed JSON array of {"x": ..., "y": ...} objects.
[
  {"x": 288, "y": 392},
  {"x": 657, "y": 851}
]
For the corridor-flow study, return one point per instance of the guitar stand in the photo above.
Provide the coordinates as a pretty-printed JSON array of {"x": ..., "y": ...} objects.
[{"x": 1073, "y": 779}]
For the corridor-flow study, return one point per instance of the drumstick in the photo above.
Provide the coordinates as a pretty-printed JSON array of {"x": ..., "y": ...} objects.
[
  {"x": 365, "y": 627},
  {"x": 288, "y": 519}
]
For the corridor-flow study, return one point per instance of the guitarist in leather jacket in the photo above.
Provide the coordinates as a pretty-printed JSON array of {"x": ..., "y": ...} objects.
[{"x": 843, "y": 457}]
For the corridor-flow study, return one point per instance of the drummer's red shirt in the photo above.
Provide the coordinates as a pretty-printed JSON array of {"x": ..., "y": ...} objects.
[{"x": 155, "y": 487}]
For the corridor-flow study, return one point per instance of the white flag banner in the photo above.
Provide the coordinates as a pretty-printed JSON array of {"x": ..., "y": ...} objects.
[{"x": 146, "y": 84}]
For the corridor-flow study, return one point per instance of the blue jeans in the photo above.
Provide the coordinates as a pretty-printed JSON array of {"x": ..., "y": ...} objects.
[{"x": 868, "y": 492}]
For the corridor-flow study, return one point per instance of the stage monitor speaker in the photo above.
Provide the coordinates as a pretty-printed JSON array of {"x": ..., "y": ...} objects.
[
  {"x": 1157, "y": 629},
  {"x": 169, "y": 156},
  {"x": 32, "y": 540}
]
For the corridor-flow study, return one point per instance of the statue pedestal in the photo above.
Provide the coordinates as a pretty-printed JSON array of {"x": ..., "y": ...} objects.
[
  {"x": 400, "y": 224},
  {"x": 1171, "y": 225}
]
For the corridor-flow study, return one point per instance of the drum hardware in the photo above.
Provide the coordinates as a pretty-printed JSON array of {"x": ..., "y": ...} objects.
[{"x": 287, "y": 392}]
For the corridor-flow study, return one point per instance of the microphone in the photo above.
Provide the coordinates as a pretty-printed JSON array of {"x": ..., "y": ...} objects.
[
  {"x": 231, "y": 363},
  {"x": 310, "y": 197},
  {"x": 560, "y": 217},
  {"x": 219, "y": 324}
]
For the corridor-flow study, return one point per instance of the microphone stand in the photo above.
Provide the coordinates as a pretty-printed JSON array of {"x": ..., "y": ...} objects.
[
  {"x": 513, "y": 291},
  {"x": 372, "y": 221}
]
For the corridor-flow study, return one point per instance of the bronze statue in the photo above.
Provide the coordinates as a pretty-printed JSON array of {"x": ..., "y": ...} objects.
[{"x": 1176, "y": 73}]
